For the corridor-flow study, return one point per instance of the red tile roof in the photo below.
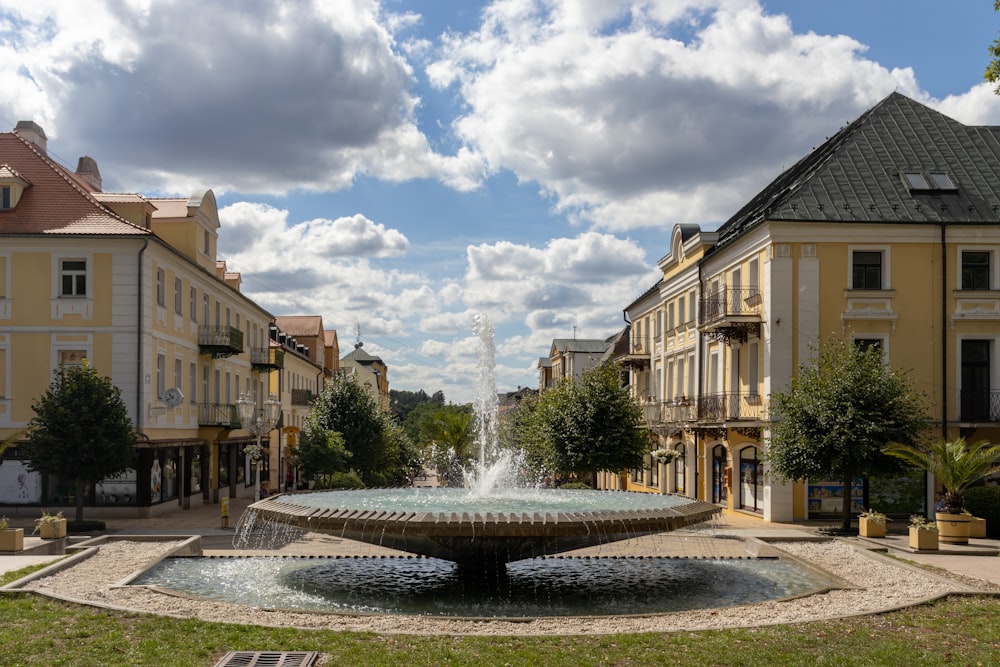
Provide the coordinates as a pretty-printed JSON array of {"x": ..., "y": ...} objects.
[{"x": 55, "y": 203}]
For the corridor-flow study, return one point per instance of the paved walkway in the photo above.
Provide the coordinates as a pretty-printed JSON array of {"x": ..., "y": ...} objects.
[{"x": 979, "y": 560}]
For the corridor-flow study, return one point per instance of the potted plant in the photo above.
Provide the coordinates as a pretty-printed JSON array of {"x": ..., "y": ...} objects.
[
  {"x": 923, "y": 534},
  {"x": 956, "y": 466},
  {"x": 665, "y": 455},
  {"x": 11, "y": 539},
  {"x": 871, "y": 523},
  {"x": 51, "y": 526},
  {"x": 977, "y": 527}
]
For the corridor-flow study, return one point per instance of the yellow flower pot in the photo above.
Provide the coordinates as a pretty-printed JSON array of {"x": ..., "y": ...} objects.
[
  {"x": 923, "y": 539},
  {"x": 52, "y": 530},
  {"x": 868, "y": 528},
  {"x": 953, "y": 528},
  {"x": 977, "y": 527},
  {"x": 12, "y": 539}
]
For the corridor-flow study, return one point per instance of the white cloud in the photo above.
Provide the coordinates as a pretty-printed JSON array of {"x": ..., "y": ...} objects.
[{"x": 647, "y": 114}]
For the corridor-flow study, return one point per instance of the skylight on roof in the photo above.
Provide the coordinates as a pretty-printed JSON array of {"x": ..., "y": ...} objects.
[{"x": 929, "y": 181}]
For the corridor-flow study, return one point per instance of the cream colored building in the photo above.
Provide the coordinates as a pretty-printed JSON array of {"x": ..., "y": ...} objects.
[
  {"x": 369, "y": 371},
  {"x": 887, "y": 234},
  {"x": 132, "y": 284}
]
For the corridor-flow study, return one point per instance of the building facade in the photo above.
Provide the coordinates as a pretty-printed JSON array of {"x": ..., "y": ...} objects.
[
  {"x": 887, "y": 234},
  {"x": 133, "y": 285}
]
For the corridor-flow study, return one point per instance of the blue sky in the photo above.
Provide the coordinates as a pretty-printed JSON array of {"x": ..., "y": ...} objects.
[{"x": 401, "y": 165}]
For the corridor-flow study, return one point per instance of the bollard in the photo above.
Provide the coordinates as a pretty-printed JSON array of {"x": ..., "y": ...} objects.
[{"x": 225, "y": 512}]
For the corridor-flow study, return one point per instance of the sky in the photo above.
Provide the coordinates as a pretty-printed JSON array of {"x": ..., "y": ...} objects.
[{"x": 399, "y": 166}]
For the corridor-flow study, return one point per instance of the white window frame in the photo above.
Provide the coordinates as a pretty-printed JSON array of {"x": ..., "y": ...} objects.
[
  {"x": 64, "y": 272},
  {"x": 994, "y": 269},
  {"x": 161, "y": 287},
  {"x": 886, "y": 265}
]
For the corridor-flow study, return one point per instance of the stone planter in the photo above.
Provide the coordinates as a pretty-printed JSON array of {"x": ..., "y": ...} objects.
[
  {"x": 12, "y": 539},
  {"x": 52, "y": 530},
  {"x": 953, "y": 528},
  {"x": 868, "y": 528},
  {"x": 977, "y": 527},
  {"x": 922, "y": 539}
]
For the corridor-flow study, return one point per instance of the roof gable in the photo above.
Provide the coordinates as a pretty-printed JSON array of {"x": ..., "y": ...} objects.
[{"x": 55, "y": 203}]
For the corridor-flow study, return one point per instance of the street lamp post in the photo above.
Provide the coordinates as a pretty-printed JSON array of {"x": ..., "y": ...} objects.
[{"x": 258, "y": 422}]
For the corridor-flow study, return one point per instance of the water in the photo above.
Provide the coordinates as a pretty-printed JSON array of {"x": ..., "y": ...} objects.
[
  {"x": 534, "y": 587},
  {"x": 509, "y": 500}
]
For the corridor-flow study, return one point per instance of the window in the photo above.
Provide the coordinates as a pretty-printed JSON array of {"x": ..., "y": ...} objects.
[
  {"x": 5, "y": 197},
  {"x": 72, "y": 357},
  {"x": 865, "y": 344},
  {"x": 161, "y": 287},
  {"x": 178, "y": 296},
  {"x": 976, "y": 270},
  {"x": 681, "y": 311},
  {"x": 161, "y": 375},
  {"x": 866, "y": 270},
  {"x": 194, "y": 304},
  {"x": 193, "y": 382},
  {"x": 670, "y": 317},
  {"x": 177, "y": 373},
  {"x": 753, "y": 367},
  {"x": 205, "y": 246},
  {"x": 73, "y": 277}
]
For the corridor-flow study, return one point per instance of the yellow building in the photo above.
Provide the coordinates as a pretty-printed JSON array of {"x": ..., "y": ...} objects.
[
  {"x": 132, "y": 284},
  {"x": 369, "y": 371},
  {"x": 308, "y": 351},
  {"x": 887, "y": 234}
]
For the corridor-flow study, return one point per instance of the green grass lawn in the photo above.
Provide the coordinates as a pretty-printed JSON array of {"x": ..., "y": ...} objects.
[{"x": 958, "y": 631}]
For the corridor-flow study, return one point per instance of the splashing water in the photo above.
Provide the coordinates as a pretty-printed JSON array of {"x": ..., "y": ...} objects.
[{"x": 494, "y": 468}]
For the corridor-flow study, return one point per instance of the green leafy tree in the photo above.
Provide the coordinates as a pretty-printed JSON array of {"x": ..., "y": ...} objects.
[
  {"x": 992, "y": 73},
  {"x": 402, "y": 402},
  {"x": 322, "y": 453},
  {"x": 954, "y": 464},
  {"x": 839, "y": 413},
  {"x": 586, "y": 425},
  {"x": 444, "y": 433},
  {"x": 81, "y": 430},
  {"x": 379, "y": 450}
]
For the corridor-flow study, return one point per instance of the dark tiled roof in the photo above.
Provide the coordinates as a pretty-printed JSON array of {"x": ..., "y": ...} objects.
[
  {"x": 361, "y": 356},
  {"x": 856, "y": 175},
  {"x": 54, "y": 203}
]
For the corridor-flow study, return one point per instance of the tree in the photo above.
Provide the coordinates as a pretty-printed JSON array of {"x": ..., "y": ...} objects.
[
  {"x": 322, "y": 453},
  {"x": 585, "y": 425},
  {"x": 839, "y": 413},
  {"x": 379, "y": 450},
  {"x": 402, "y": 402},
  {"x": 955, "y": 465},
  {"x": 81, "y": 430},
  {"x": 992, "y": 73}
]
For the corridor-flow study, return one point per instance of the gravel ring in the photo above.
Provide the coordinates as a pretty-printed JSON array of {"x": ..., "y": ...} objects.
[{"x": 882, "y": 584}]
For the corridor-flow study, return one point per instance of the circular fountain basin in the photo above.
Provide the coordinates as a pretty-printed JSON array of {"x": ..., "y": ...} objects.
[{"x": 483, "y": 532}]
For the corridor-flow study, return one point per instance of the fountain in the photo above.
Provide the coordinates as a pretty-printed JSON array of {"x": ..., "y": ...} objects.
[{"x": 487, "y": 525}]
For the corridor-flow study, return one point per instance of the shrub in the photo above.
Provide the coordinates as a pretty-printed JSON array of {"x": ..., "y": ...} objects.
[
  {"x": 984, "y": 502},
  {"x": 340, "y": 480},
  {"x": 575, "y": 485}
]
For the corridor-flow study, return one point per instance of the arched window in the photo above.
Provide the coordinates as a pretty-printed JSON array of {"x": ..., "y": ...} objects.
[
  {"x": 720, "y": 492},
  {"x": 680, "y": 470},
  {"x": 751, "y": 480}
]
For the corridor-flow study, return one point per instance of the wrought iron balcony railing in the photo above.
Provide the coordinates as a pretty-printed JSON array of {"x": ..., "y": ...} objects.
[
  {"x": 218, "y": 414},
  {"x": 732, "y": 406},
  {"x": 220, "y": 342},
  {"x": 980, "y": 406},
  {"x": 729, "y": 302},
  {"x": 265, "y": 359}
]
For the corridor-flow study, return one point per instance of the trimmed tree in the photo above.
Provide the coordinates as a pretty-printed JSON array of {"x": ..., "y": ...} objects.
[
  {"x": 587, "y": 425},
  {"x": 839, "y": 413},
  {"x": 81, "y": 430},
  {"x": 378, "y": 449}
]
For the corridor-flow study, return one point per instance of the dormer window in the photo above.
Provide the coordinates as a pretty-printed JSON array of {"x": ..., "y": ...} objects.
[{"x": 11, "y": 187}]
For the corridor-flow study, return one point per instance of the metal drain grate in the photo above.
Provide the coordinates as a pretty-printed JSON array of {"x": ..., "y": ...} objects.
[{"x": 268, "y": 659}]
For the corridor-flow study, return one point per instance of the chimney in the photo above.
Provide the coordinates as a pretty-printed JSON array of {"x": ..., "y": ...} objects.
[
  {"x": 30, "y": 130},
  {"x": 87, "y": 171}
]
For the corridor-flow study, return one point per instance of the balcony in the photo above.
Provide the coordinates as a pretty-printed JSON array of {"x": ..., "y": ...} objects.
[
  {"x": 731, "y": 407},
  {"x": 669, "y": 416},
  {"x": 267, "y": 359},
  {"x": 980, "y": 406},
  {"x": 220, "y": 342},
  {"x": 218, "y": 414},
  {"x": 638, "y": 355},
  {"x": 730, "y": 314},
  {"x": 301, "y": 397}
]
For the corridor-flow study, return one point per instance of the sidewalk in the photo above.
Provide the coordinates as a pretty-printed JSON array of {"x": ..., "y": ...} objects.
[{"x": 978, "y": 561}]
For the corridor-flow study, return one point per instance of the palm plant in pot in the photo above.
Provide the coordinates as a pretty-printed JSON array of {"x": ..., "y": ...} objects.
[{"x": 955, "y": 465}]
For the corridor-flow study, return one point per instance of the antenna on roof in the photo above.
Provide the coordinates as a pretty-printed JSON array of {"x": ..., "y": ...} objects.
[
  {"x": 357, "y": 327},
  {"x": 574, "y": 332}
]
